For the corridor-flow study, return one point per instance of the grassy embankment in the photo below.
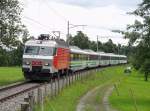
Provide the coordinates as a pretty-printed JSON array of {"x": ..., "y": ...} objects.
[
  {"x": 10, "y": 75},
  {"x": 132, "y": 84},
  {"x": 69, "y": 97}
]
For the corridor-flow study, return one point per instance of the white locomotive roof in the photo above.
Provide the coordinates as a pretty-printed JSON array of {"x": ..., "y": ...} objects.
[
  {"x": 49, "y": 43},
  {"x": 40, "y": 43}
]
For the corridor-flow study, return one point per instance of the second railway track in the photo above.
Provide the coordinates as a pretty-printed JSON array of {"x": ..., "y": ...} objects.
[{"x": 12, "y": 91}]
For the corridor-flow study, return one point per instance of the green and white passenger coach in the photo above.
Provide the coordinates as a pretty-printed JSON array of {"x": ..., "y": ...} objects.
[{"x": 81, "y": 59}]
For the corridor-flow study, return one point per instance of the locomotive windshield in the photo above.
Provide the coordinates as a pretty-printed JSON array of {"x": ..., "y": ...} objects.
[
  {"x": 32, "y": 50},
  {"x": 47, "y": 51},
  {"x": 39, "y": 50}
]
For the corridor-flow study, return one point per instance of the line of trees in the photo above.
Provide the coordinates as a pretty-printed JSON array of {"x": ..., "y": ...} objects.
[
  {"x": 82, "y": 41},
  {"x": 139, "y": 36}
]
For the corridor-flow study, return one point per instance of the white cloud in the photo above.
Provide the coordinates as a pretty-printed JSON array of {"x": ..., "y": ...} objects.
[
  {"x": 123, "y": 4},
  {"x": 54, "y": 16}
]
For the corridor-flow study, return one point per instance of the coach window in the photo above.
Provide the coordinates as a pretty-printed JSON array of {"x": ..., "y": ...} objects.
[
  {"x": 77, "y": 57},
  {"x": 71, "y": 56},
  {"x": 74, "y": 56},
  {"x": 85, "y": 57},
  {"x": 80, "y": 57},
  {"x": 101, "y": 58}
]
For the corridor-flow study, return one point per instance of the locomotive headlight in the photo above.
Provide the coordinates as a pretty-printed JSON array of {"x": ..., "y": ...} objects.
[
  {"x": 27, "y": 63},
  {"x": 46, "y": 64}
]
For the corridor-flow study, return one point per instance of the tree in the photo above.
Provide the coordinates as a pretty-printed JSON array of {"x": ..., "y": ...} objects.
[
  {"x": 11, "y": 27},
  {"x": 93, "y": 45},
  {"x": 110, "y": 47},
  {"x": 139, "y": 34},
  {"x": 11, "y": 31},
  {"x": 70, "y": 40},
  {"x": 81, "y": 40}
]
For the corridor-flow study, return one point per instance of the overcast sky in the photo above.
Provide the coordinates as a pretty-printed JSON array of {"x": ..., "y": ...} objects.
[{"x": 100, "y": 16}]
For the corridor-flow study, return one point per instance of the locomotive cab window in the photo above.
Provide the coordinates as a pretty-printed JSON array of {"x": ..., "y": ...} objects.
[
  {"x": 46, "y": 51},
  {"x": 31, "y": 50},
  {"x": 38, "y": 50}
]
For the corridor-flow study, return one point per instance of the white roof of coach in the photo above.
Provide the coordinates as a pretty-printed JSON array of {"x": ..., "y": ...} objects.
[
  {"x": 104, "y": 54},
  {"x": 77, "y": 50},
  {"x": 91, "y": 52},
  {"x": 123, "y": 56},
  {"x": 101, "y": 52}
]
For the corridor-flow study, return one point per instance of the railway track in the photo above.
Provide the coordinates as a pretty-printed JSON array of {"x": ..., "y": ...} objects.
[
  {"x": 12, "y": 97},
  {"x": 3, "y": 88},
  {"x": 15, "y": 90},
  {"x": 12, "y": 91}
]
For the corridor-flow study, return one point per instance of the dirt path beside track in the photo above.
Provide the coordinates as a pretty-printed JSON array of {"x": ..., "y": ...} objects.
[{"x": 97, "y": 99}]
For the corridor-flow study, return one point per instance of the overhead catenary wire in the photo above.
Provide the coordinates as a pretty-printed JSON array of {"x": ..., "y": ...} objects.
[
  {"x": 31, "y": 23},
  {"x": 64, "y": 18},
  {"x": 99, "y": 27},
  {"x": 61, "y": 16},
  {"x": 37, "y": 22},
  {"x": 44, "y": 27},
  {"x": 55, "y": 11}
]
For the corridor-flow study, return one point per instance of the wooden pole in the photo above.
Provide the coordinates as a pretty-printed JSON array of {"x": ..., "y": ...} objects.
[
  {"x": 51, "y": 81},
  {"x": 78, "y": 75},
  {"x": 72, "y": 76},
  {"x": 116, "y": 88},
  {"x": 40, "y": 99},
  {"x": 45, "y": 87},
  {"x": 63, "y": 85},
  {"x": 75, "y": 76},
  {"x": 25, "y": 105},
  {"x": 55, "y": 86},
  {"x": 31, "y": 100},
  {"x": 58, "y": 82},
  {"x": 133, "y": 97},
  {"x": 69, "y": 78}
]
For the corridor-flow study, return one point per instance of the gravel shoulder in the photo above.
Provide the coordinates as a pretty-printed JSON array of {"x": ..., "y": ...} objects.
[{"x": 97, "y": 99}]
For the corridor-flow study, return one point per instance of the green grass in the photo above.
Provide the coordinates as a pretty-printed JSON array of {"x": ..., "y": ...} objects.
[
  {"x": 10, "y": 75},
  {"x": 141, "y": 93},
  {"x": 69, "y": 97}
]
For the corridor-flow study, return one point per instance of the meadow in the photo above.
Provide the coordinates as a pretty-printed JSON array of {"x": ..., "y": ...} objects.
[
  {"x": 10, "y": 75},
  {"x": 133, "y": 93}
]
